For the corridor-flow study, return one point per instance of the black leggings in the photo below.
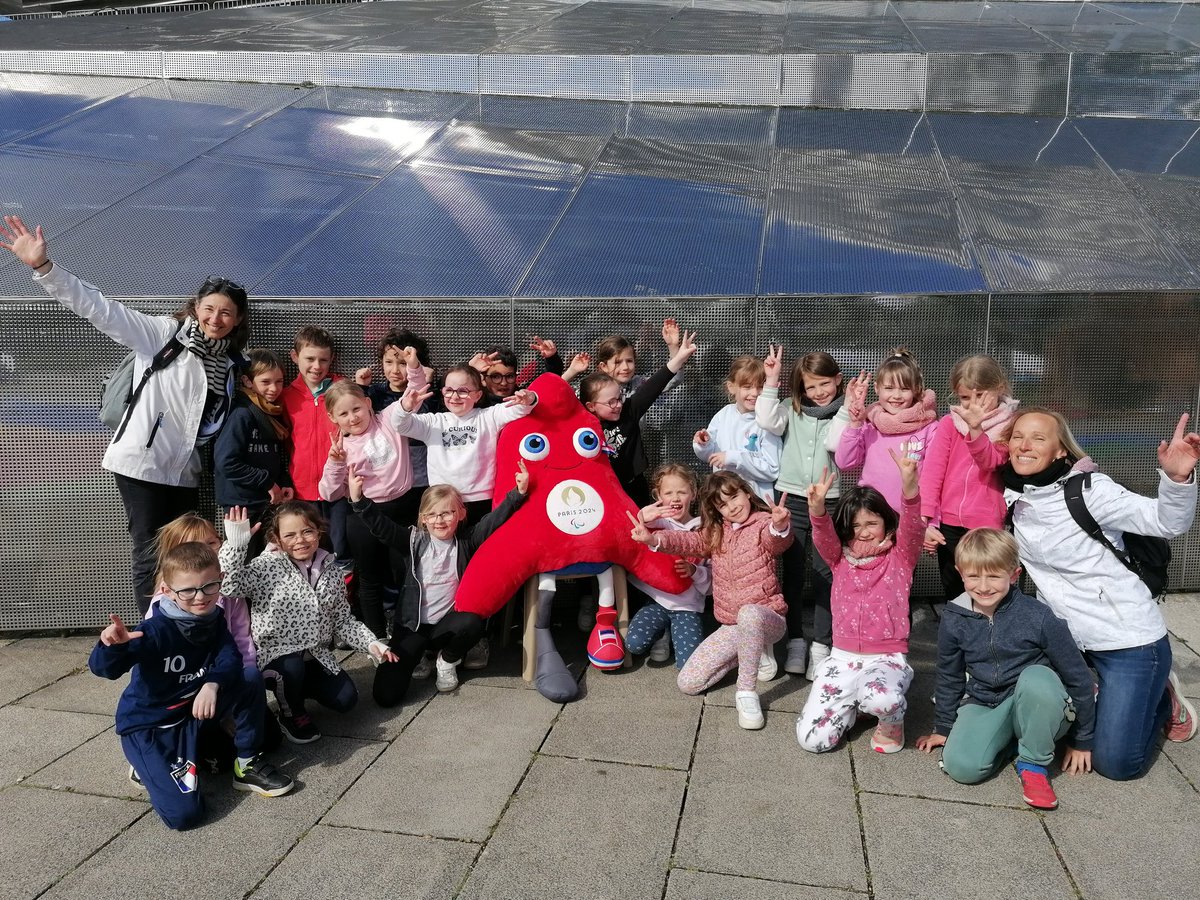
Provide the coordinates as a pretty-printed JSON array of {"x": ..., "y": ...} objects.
[
  {"x": 148, "y": 507},
  {"x": 298, "y": 679},
  {"x": 454, "y": 635},
  {"x": 952, "y": 583},
  {"x": 372, "y": 563}
]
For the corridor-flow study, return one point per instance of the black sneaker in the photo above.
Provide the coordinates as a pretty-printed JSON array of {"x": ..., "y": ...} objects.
[
  {"x": 135, "y": 779},
  {"x": 299, "y": 729},
  {"x": 260, "y": 777}
]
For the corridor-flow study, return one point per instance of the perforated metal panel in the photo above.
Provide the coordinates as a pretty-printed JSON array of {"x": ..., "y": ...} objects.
[
  {"x": 1034, "y": 84},
  {"x": 1135, "y": 85},
  {"x": 862, "y": 81},
  {"x": 594, "y": 77},
  {"x": 706, "y": 79}
]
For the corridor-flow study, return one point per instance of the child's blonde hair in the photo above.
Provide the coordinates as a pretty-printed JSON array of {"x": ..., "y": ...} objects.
[
  {"x": 435, "y": 494},
  {"x": 186, "y": 529},
  {"x": 902, "y": 368},
  {"x": 672, "y": 470},
  {"x": 340, "y": 391},
  {"x": 747, "y": 370},
  {"x": 717, "y": 487},
  {"x": 987, "y": 550},
  {"x": 192, "y": 556},
  {"x": 979, "y": 373}
]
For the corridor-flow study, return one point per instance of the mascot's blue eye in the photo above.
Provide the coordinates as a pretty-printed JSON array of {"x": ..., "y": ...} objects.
[
  {"x": 534, "y": 447},
  {"x": 587, "y": 443}
]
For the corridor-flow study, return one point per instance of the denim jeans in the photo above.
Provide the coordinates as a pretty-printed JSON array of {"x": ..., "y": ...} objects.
[{"x": 1131, "y": 708}]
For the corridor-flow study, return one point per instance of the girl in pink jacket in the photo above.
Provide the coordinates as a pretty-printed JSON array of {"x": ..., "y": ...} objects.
[
  {"x": 960, "y": 480},
  {"x": 872, "y": 552},
  {"x": 743, "y": 535}
]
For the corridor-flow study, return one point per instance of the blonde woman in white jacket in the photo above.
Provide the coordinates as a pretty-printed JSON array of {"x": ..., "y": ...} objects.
[
  {"x": 1112, "y": 616},
  {"x": 154, "y": 455}
]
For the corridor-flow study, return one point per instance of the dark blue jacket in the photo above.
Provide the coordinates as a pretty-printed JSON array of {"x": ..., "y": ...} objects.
[
  {"x": 248, "y": 457},
  {"x": 168, "y": 671},
  {"x": 1022, "y": 632}
]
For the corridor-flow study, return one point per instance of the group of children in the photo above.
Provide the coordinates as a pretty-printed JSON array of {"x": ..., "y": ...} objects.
[{"x": 398, "y": 474}]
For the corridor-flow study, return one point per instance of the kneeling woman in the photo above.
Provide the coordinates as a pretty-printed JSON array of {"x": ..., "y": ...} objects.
[{"x": 1112, "y": 616}]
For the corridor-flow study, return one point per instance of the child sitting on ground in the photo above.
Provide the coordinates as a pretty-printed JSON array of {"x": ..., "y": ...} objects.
[
  {"x": 1028, "y": 685},
  {"x": 186, "y": 672}
]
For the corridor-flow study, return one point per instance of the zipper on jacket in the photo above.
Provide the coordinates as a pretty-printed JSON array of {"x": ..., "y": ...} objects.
[
  {"x": 154, "y": 430},
  {"x": 1112, "y": 605},
  {"x": 992, "y": 648}
]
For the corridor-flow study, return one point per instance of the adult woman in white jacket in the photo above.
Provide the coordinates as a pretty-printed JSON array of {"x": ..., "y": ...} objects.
[
  {"x": 1112, "y": 616},
  {"x": 154, "y": 456}
]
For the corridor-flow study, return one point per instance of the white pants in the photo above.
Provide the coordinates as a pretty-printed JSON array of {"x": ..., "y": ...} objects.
[{"x": 846, "y": 684}]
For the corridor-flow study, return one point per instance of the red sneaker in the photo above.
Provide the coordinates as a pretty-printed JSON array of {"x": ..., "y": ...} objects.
[
  {"x": 604, "y": 648},
  {"x": 1035, "y": 786},
  {"x": 1182, "y": 724}
]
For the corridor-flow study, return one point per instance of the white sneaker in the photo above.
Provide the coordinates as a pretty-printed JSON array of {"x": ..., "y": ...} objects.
[
  {"x": 477, "y": 657},
  {"x": 817, "y": 654},
  {"x": 750, "y": 714},
  {"x": 768, "y": 666},
  {"x": 797, "y": 656},
  {"x": 424, "y": 668},
  {"x": 660, "y": 650},
  {"x": 587, "y": 614},
  {"x": 447, "y": 675}
]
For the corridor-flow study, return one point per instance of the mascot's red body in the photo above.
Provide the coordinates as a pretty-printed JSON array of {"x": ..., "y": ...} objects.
[{"x": 575, "y": 512}]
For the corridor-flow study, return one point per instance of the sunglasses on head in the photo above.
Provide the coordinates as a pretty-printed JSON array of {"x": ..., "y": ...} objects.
[{"x": 214, "y": 285}]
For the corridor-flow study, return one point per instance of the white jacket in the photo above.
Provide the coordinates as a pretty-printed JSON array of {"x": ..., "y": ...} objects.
[
  {"x": 159, "y": 443},
  {"x": 1106, "y": 606}
]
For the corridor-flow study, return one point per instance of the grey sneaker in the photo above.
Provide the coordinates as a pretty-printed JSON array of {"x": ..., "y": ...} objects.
[
  {"x": 797, "y": 657},
  {"x": 447, "y": 675},
  {"x": 424, "y": 668},
  {"x": 660, "y": 650},
  {"x": 477, "y": 657}
]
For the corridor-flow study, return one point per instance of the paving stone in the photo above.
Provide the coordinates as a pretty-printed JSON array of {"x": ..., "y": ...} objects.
[
  {"x": 32, "y": 738},
  {"x": 633, "y": 715},
  {"x": 96, "y": 767},
  {"x": 1182, "y": 612},
  {"x": 82, "y": 692},
  {"x": 1186, "y": 758},
  {"x": 369, "y": 721},
  {"x": 582, "y": 828},
  {"x": 971, "y": 851},
  {"x": 761, "y": 783},
  {"x": 386, "y": 867},
  {"x": 79, "y": 644},
  {"x": 1132, "y": 838},
  {"x": 45, "y": 834},
  {"x": 244, "y": 837},
  {"x": 454, "y": 768},
  {"x": 784, "y": 694},
  {"x": 684, "y": 884},
  {"x": 1186, "y": 664},
  {"x": 26, "y": 667}
]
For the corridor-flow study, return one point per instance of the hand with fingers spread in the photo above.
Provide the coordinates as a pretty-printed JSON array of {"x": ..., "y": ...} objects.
[
  {"x": 239, "y": 515},
  {"x": 640, "y": 532},
  {"x": 117, "y": 633},
  {"x": 773, "y": 364},
  {"x": 818, "y": 491},
  {"x": 337, "y": 452},
  {"x": 910, "y": 472},
  {"x": 354, "y": 484},
  {"x": 670, "y": 335},
  {"x": 687, "y": 346},
  {"x": 521, "y": 398},
  {"x": 1178, "y": 457},
  {"x": 363, "y": 376},
  {"x": 856, "y": 398},
  {"x": 580, "y": 363},
  {"x": 481, "y": 361},
  {"x": 652, "y": 513},
  {"x": 545, "y": 348},
  {"x": 1077, "y": 762},
  {"x": 27, "y": 246},
  {"x": 781, "y": 516},
  {"x": 522, "y": 478},
  {"x": 205, "y": 704},
  {"x": 412, "y": 399},
  {"x": 972, "y": 411},
  {"x": 933, "y": 539}
]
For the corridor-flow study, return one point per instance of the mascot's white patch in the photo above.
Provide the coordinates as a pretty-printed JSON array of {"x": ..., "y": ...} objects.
[{"x": 574, "y": 507}]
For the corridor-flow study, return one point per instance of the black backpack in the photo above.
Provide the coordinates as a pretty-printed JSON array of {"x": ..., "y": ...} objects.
[{"x": 1145, "y": 556}]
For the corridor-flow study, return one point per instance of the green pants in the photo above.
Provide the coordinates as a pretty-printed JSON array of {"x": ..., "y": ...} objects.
[{"x": 1035, "y": 715}]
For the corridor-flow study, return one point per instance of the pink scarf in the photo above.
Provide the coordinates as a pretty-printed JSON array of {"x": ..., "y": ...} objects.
[
  {"x": 908, "y": 420},
  {"x": 859, "y": 553},
  {"x": 993, "y": 423}
]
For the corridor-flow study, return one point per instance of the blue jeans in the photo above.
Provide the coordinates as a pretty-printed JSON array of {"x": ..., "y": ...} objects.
[{"x": 1132, "y": 707}]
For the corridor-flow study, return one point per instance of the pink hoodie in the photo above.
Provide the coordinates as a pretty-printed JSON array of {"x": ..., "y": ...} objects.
[
  {"x": 960, "y": 484},
  {"x": 866, "y": 446}
]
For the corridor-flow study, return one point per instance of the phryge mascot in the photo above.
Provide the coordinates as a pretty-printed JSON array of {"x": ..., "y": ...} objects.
[{"x": 575, "y": 520}]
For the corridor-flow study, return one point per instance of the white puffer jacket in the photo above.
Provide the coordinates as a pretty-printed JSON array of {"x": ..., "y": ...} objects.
[
  {"x": 159, "y": 443},
  {"x": 1106, "y": 606}
]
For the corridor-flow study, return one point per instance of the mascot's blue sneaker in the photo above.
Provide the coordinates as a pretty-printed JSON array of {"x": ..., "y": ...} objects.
[{"x": 605, "y": 648}]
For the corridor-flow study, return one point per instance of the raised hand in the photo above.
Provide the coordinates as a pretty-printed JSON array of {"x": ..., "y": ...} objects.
[
  {"x": 818, "y": 491},
  {"x": 856, "y": 397},
  {"x": 522, "y": 478},
  {"x": 773, "y": 363},
  {"x": 412, "y": 359},
  {"x": 205, "y": 704},
  {"x": 354, "y": 483},
  {"x": 687, "y": 346},
  {"x": 287, "y": 494},
  {"x": 412, "y": 399},
  {"x": 933, "y": 539},
  {"x": 337, "y": 452},
  {"x": 275, "y": 495},
  {"x": 652, "y": 513},
  {"x": 670, "y": 335},
  {"x": 909, "y": 471},
  {"x": 781, "y": 516},
  {"x": 973, "y": 410},
  {"x": 640, "y": 532},
  {"x": 117, "y": 633},
  {"x": 236, "y": 515},
  {"x": 1178, "y": 456},
  {"x": 363, "y": 376},
  {"x": 27, "y": 246},
  {"x": 545, "y": 348},
  {"x": 521, "y": 398},
  {"x": 701, "y": 437},
  {"x": 481, "y": 361}
]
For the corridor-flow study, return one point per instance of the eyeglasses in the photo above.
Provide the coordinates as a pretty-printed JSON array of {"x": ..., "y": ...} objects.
[
  {"x": 611, "y": 404},
  {"x": 439, "y": 516},
  {"x": 190, "y": 593},
  {"x": 461, "y": 393},
  {"x": 502, "y": 376},
  {"x": 307, "y": 535}
]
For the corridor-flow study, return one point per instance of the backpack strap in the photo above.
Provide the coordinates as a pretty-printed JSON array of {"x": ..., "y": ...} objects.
[
  {"x": 161, "y": 360},
  {"x": 1073, "y": 494}
]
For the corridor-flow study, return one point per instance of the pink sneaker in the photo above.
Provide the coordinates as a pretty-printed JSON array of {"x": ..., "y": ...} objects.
[
  {"x": 888, "y": 737},
  {"x": 1182, "y": 724}
]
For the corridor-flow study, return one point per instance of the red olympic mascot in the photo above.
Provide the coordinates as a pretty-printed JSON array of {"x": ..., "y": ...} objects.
[{"x": 575, "y": 520}]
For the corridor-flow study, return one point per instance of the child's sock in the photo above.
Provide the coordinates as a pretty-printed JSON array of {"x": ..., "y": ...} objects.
[{"x": 241, "y": 762}]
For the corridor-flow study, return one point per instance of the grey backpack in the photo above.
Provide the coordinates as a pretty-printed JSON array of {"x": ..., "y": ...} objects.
[{"x": 119, "y": 396}]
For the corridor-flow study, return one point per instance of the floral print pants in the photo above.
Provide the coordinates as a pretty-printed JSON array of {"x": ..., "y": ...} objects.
[{"x": 847, "y": 684}]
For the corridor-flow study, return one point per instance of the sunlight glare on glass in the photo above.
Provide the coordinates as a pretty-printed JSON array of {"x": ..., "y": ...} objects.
[{"x": 400, "y": 134}]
